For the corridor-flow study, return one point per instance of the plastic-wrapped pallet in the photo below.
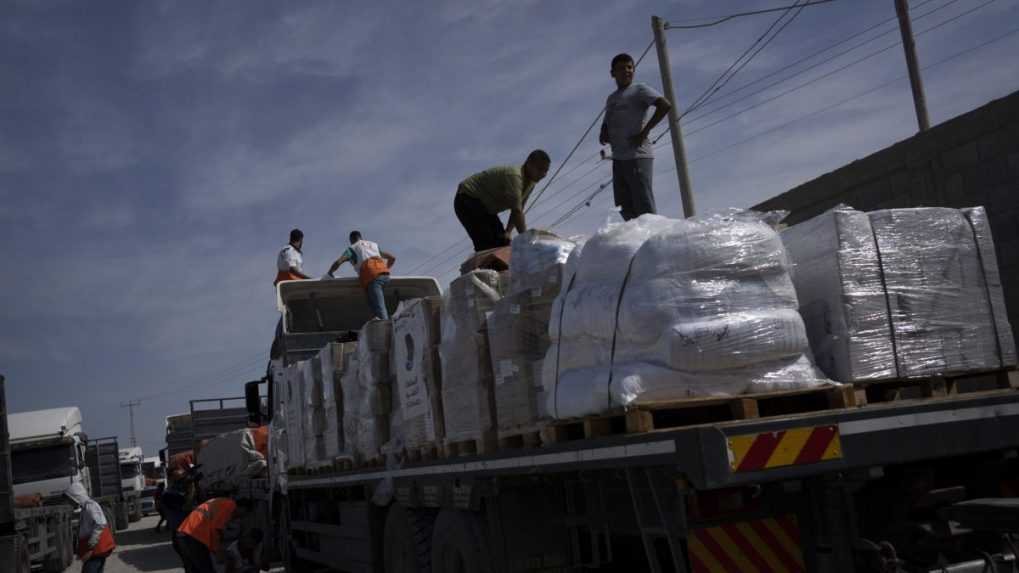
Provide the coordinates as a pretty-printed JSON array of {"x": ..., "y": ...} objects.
[
  {"x": 664, "y": 309},
  {"x": 900, "y": 293},
  {"x": 311, "y": 410},
  {"x": 295, "y": 415},
  {"x": 350, "y": 387},
  {"x": 468, "y": 402},
  {"x": 343, "y": 360},
  {"x": 416, "y": 337},
  {"x": 518, "y": 328},
  {"x": 374, "y": 394}
]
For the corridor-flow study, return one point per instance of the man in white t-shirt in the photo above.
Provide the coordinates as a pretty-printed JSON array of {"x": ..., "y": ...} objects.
[
  {"x": 372, "y": 266},
  {"x": 290, "y": 263},
  {"x": 625, "y": 130}
]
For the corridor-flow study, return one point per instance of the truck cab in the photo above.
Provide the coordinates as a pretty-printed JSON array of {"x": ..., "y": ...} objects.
[
  {"x": 132, "y": 480},
  {"x": 47, "y": 451}
]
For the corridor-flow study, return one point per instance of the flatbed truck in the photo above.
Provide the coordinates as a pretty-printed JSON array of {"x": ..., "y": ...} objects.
[{"x": 861, "y": 482}]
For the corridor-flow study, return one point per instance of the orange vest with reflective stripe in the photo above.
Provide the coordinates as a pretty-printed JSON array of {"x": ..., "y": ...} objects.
[
  {"x": 372, "y": 269},
  {"x": 103, "y": 547},
  {"x": 206, "y": 522}
]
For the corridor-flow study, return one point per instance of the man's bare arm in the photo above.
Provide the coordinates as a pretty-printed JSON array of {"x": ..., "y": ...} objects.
[
  {"x": 390, "y": 259},
  {"x": 336, "y": 264},
  {"x": 662, "y": 107}
]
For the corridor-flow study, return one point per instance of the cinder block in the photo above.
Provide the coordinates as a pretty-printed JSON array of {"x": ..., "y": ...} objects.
[{"x": 961, "y": 156}]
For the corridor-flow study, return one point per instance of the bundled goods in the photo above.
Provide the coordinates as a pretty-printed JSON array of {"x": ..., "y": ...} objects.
[
  {"x": 518, "y": 327},
  {"x": 416, "y": 337},
  {"x": 294, "y": 393},
  {"x": 373, "y": 394},
  {"x": 314, "y": 446},
  {"x": 468, "y": 402},
  {"x": 900, "y": 293},
  {"x": 230, "y": 458},
  {"x": 660, "y": 309}
]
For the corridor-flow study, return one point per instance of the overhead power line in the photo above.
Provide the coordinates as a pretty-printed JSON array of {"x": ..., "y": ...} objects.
[
  {"x": 739, "y": 63},
  {"x": 723, "y": 19}
]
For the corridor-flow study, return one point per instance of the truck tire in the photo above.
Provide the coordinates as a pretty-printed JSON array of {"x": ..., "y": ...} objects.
[
  {"x": 459, "y": 544},
  {"x": 407, "y": 540},
  {"x": 136, "y": 511},
  {"x": 123, "y": 520}
]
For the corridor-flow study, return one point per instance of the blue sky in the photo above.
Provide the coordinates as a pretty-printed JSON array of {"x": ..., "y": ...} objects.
[{"x": 154, "y": 155}]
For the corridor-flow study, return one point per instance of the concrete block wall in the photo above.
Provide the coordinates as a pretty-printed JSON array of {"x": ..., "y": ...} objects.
[{"x": 970, "y": 160}]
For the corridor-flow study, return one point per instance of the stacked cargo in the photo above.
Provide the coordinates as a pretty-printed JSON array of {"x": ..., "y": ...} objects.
[
  {"x": 294, "y": 396},
  {"x": 321, "y": 426},
  {"x": 468, "y": 399},
  {"x": 900, "y": 293},
  {"x": 660, "y": 309},
  {"x": 518, "y": 329},
  {"x": 416, "y": 337},
  {"x": 373, "y": 394}
]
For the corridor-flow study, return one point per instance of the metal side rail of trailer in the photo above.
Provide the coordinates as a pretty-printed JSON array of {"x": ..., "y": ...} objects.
[{"x": 855, "y": 489}]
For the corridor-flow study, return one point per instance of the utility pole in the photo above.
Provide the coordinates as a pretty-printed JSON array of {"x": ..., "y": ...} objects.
[
  {"x": 915, "y": 82},
  {"x": 675, "y": 131},
  {"x": 130, "y": 408}
]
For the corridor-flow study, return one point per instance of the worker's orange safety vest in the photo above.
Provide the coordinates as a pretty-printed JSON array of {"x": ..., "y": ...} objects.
[
  {"x": 372, "y": 269},
  {"x": 285, "y": 276},
  {"x": 103, "y": 547},
  {"x": 206, "y": 523}
]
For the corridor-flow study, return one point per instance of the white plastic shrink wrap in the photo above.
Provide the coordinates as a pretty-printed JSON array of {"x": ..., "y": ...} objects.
[
  {"x": 416, "y": 337},
  {"x": 901, "y": 293},
  {"x": 468, "y": 401},
  {"x": 663, "y": 309},
  {"x": 518, "y": 328},
  {"x": 374, "y": 389}
]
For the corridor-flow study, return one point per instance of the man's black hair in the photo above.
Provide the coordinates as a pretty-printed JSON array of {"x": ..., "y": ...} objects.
[
  {"x": 539, "y": 154},
  {"x": 621, "y": 59},
  {"x": 296, "y": 235},
  {"x": 355, "y": 236}
]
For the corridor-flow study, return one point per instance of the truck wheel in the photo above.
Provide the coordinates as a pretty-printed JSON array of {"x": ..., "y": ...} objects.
[
  {"x": 123, "y": 519},
  {"x": 407, "y": 540},
  {"x": 459, "y": 544}
]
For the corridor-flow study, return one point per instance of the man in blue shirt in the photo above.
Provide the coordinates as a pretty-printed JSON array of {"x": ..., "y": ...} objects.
[{"x": 625, "y": 130}]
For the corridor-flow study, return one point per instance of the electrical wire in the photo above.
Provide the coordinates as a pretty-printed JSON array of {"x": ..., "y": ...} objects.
[
  {"x": 722, "y": 19},
  {"x": 763, "y": 40},
  {"x": 827, "y": 74}
]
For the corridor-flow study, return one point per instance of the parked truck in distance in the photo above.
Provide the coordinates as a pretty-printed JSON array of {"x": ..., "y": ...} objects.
[
  {"x": 46, "y": 453},
  {"x": 132, "y": 481}
]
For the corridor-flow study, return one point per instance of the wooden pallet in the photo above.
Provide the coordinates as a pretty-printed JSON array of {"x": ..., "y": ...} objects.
[
  {"x": 421, "y": 453},
  {"x": 524, "y": 437},
  {"x": 481, "y": 445},
  {"x": 652, "y": 416},
  {"x": 936, "y": 386}
]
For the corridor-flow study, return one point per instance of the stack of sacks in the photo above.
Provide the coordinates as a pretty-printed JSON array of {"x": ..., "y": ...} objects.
[
  {"x": 323, "y": 439},
  {"x": 350, "y": 392},
  {"x": 518, "y": 327},
  {"x": 344, "y": 360},
  {"x": 416, "y": 336},
  {"x": 294, "y": 397},
  {"x": 468, "y": 402},
  {"x": 663, "y": 309},
  {"x": 900, "y": 293},
  {"x": 314, "y": 445},
  {"x": 278, "y": 442},
  {"x": 374, "y": 389}
]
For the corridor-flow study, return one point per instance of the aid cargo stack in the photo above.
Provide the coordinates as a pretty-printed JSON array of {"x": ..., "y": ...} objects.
[
  {"x": 468, "y": 399},
  {"x": 373, "y": 395},
  {"x": 901, "y": 294},
  {"x": 518, "y": 331},
  {"x": 418, "y": 374}
]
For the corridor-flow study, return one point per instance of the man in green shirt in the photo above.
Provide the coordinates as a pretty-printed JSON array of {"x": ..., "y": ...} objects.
[{"x": 482, "y": 196}]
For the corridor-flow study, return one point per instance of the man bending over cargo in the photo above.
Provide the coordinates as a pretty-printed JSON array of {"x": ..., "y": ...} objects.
[
  {"x": 200, "y": 536},
  {"x": 372, "y": 266},
  {"x": 482, "y": 196}
]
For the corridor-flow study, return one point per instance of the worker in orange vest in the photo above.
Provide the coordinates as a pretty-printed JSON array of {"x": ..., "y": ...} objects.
[
  {"x": 372, "y": 266},
  {"x": 290, "y": 261},
  {"x": 95, "y": 540},
  {"x": 200, "y": 536}
]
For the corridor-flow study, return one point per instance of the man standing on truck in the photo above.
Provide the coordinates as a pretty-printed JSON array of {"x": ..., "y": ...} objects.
[
  {"x": 625, "y": 130},
  {"x": 95, "y": 540},
  {"x": 372, "y": 266},
  {"x": 201, "y": 535},
  {"x": 289, "y": 263},
  {"x": 482, "y": 196}
]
